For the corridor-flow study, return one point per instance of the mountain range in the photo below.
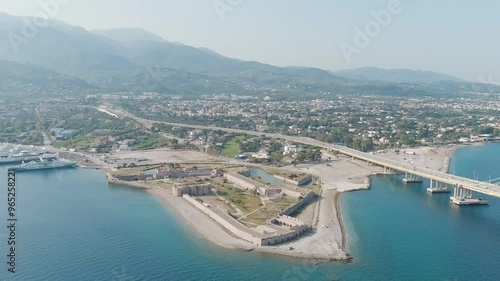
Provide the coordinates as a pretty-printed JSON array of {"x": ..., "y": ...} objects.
[
  {"x": 136, "y": 60},
  {"x": 396, "y": 75},
  {"x": 19, "y": 77}
]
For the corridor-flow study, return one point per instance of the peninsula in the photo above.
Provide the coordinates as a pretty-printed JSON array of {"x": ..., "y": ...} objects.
[{"x": 230, "y": 203}]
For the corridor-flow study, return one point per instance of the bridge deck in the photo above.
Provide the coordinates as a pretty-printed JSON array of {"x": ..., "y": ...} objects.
[{"x": 474, "y": 185}]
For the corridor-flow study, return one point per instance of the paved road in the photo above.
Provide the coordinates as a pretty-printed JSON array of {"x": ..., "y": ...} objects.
[{"x": 474, "y": 185}]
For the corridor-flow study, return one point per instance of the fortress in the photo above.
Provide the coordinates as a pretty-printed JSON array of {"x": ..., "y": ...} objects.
[{"x": 277, "y": 229}]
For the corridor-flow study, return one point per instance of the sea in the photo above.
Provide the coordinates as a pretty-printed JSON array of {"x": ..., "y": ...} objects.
[{"x": 73, "y": 225}]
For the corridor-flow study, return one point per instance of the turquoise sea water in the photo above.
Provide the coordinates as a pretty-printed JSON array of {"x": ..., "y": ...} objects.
[{"x": 74, "y": 226}]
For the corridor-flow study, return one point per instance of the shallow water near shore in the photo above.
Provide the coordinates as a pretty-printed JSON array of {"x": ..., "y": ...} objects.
[{"x": 74, "y": 226}]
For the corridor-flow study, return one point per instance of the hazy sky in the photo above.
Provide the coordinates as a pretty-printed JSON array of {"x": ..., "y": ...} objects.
[{"x": 458, "y": 37}]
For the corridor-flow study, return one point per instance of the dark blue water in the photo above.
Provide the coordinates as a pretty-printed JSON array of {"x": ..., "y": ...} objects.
[{"x": 74, "y": 226}]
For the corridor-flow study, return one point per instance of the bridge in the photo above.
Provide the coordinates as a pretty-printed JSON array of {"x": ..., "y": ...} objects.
[{"x": 465, "y": 190}]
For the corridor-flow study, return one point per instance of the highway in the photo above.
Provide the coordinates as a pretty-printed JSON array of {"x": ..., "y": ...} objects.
[{"x": 469, "y": 184}]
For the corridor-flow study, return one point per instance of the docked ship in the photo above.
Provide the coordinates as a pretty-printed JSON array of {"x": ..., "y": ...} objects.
[
  {"x": 44, "y": 165},
  {"x": 24, "y": 157}
]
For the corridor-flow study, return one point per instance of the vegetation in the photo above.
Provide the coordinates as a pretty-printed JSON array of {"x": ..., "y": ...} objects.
[
  {"x": 271, "y": 209},
  {"x": 246, "y": 202},
  {"x": 153, "y": 141},
  {"x": 79, "y": 142},
  {"x": 310, "y": 155},
  {"x": 232, "y": 148}
]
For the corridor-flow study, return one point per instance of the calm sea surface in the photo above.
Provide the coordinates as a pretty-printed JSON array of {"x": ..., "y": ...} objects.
[{"x": 74, "y": 226}]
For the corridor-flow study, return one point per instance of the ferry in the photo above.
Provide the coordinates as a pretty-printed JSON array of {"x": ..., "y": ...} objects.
[
  {"x": 18, "y": 159},
  {"x": 44, "y": 165},
  {"x": 14, "y": 156}
]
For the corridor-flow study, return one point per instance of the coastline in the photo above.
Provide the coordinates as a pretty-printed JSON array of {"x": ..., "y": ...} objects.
[
  {"x": 445, "y": 151},
  {"x": 135, "y": 184},
  {"x": 340, "y": 213},
  {"x": 340, "y": 218},
  {"x": 211, "y": 231},
  {"x": 329, "y": 238}
]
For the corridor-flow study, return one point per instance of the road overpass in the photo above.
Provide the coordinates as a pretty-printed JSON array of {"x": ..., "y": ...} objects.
[{"x": 464, "y": 189}]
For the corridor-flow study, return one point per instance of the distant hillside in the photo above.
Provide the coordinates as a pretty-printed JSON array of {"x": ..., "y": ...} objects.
[
  {"x": 396, "y": 75},
  {"x": 110, "y": 57},
  {"x": 136, "y": 60},
  {"x": 17, "y": 77},
  {"x": 64, "y": 48},
  {"x": 171, "y": 81},
  {"x": 124, "y": 35}
]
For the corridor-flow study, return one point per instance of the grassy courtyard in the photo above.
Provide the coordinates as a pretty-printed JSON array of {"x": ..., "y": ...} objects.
[{"x": 232, "y": 148}]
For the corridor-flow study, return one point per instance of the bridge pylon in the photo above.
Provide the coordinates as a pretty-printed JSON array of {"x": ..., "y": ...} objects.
[
  {"x": 463, "y": 197},
  {"x": 389, "y": 171},
  {"x": 409, "y": 178},
  {"x": 438, "y": 187}
]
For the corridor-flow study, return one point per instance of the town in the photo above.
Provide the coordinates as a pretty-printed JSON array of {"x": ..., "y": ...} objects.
[{"x": 366, "y": 123}]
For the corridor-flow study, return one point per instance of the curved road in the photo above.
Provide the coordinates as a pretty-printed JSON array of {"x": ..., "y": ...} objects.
[{"x": 474, "y": 185}]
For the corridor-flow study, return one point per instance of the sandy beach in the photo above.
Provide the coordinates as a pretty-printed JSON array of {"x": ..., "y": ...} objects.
[
  {"x": 434, "y": 158},
  {"x": 200, "y": 222},
  {"x": 328, "y": 239},
  {"x": 326, "y": 242}
]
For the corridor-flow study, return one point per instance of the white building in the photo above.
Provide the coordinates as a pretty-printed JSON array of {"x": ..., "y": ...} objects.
[
  {"x": 291, "y": 149},
  {"x": 124, "y": 147},
  {"x": 464, "y": 140}
]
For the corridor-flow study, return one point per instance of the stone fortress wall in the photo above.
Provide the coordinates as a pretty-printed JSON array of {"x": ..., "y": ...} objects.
[
  {"x": 224, "y": 223},
  {"x": 192, "y": 190},
  {"x": 299, "y": 182},
  {"x": 243, "y": 181},
  {"x": 278, "y": 229},
  {"x": 297, "y": 226},
  {"x": 301, "y": 202}
]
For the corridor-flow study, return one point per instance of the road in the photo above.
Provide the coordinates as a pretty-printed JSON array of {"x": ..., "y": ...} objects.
[{"x": 470, "y": 184}]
